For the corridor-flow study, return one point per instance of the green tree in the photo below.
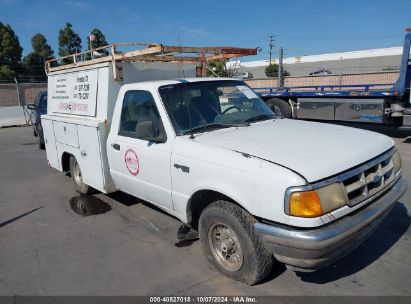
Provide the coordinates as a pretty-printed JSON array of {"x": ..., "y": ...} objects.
[
  {"x": 69, "y": 42},
  {"x": 99, "y": 41},
  {"x": 272, "y": 71},
  {"x": 215, "y": 68},
  {"x": 10, "y": 52},
  {"x": 6, "y": 72},
  {"x": 223, "y": 68},
  {"x": 34, "y": 61}
]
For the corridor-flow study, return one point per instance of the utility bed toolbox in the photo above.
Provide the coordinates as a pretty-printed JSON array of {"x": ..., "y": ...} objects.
[{"x": 66, "y": 133}]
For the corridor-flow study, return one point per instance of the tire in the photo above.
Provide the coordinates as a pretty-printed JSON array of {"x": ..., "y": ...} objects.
[
  {"x": 250, "y": 262},
  {"x": 279, "y": 107},
  {"x": 77, "y": 177},
  {"x": 40, "y": 143}
]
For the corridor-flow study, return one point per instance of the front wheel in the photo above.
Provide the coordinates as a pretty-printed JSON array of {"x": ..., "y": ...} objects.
[
  {"x": 231, "y": 244},
  {"x": 40, "y": 141},
  {"x": 41, "y": 145},
  {"x": 77, "y": 177}
]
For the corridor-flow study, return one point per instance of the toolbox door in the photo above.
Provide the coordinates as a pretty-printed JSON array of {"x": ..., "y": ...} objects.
[
  {"x": 315, "y": 108},
  {"x": 50, "y": 143},
  {"x": 360, "y": 110}
]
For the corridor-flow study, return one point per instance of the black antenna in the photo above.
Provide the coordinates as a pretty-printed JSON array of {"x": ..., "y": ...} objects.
[
  {"x": 182, "y": 62},
  {"x": 189, "y": 119}
]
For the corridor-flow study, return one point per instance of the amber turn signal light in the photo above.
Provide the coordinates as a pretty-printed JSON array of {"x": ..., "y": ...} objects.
[{"x": 305, "y": 204}]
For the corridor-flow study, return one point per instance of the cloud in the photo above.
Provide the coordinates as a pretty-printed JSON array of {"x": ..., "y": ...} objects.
[
  {"x": 81, "y": 5},
  {"x": 186, "y": 30},
  {"x": 194, "y": 31}
]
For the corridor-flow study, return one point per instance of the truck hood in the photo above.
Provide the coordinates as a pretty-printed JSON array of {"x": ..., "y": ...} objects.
[{"x": 314, "y": 150}]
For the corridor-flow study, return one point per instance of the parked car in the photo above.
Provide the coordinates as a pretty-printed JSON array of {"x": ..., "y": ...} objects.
[
  {"x": 245, "y": 75},
  {"x": 321, "y": 72},
  {"x": 38, "y": 108}
]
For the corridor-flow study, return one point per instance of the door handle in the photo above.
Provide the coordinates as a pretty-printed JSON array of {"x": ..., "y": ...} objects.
[{"x": 116, "y": 146}]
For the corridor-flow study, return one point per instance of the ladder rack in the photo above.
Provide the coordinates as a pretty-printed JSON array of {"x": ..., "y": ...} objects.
[{"x": 150, "y": 52}]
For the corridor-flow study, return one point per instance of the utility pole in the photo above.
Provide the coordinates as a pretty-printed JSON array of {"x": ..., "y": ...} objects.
[
  {"x": 271, "y": 45},
  {"x": 280, "y": 68},
  {"x": 340, "y": 78}
]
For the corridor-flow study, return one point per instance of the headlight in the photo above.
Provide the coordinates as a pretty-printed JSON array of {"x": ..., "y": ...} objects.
[
  {"x": 396, "y": 161},
  {"x": 316, "y": 202}
]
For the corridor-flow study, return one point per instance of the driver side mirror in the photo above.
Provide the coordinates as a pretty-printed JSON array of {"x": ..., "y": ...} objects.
[
  {"x": 158, "y": 139},
  {"x": 31, "y": 106},
  {"x": 145, "y": 130}
]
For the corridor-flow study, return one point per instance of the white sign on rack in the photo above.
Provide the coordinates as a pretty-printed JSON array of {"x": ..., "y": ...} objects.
[{"x": 73, "y": 93}]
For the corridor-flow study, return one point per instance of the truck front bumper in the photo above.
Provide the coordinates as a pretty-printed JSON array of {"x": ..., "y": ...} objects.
[{"x": 314, "y": 248}]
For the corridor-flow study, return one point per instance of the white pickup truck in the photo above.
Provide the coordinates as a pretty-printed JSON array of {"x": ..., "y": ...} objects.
[{"x": 259, "y": 189}]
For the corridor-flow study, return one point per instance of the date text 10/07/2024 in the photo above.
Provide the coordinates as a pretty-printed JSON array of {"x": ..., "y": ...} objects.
[{"x": 205, "y": 299}]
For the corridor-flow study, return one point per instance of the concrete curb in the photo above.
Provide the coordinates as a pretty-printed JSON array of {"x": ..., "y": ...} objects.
[{"x": 12, "y": 116}]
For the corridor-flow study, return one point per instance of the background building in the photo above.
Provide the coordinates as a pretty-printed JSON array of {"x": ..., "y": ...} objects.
[{"x": 354, "y": 62}]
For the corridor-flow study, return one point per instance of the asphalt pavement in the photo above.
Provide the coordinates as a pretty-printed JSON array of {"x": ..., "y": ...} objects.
[{"x": 54, "y": 242}]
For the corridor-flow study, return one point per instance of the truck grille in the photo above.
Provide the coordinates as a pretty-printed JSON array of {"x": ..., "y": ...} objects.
[{"x": 369, "y": 179}]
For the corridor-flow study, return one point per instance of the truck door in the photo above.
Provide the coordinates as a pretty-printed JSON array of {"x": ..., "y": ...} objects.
[{"x": 138, "y": 150}]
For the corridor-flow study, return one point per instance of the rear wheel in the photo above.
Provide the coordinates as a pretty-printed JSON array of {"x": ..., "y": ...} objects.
[
  {"x": 40, "y": 144},
  {"x": 279, "y": 107},
  {"x": 77, "y": 177},
  {"x": 231, "y": 243}
]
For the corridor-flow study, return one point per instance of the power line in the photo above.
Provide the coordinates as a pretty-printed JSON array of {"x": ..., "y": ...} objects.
[{"x": 337, "y": 38}]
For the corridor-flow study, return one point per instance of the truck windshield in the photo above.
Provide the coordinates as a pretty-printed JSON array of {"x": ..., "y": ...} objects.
[{"x": 218, "y": 103}]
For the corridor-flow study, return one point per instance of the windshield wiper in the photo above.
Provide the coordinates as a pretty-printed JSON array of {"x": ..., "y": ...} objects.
[
  {"x": 214, "y": 125},
  {"x": 259, "y": 118}
]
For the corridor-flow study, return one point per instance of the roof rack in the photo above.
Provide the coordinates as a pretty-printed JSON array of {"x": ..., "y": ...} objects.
[{"x": 150, "y": 52}]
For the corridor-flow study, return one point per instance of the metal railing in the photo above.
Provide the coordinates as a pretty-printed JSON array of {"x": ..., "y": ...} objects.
[{"x": 151, "y": 52}]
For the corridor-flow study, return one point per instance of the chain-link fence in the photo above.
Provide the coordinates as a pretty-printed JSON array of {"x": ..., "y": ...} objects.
[
  {"x": 9, "y": 93},
  {"x": 15, "y": 96},
  {"x": 13, "y": 100}
]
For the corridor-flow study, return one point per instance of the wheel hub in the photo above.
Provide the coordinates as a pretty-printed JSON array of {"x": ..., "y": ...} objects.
[
  {"x": 77, "y": 173},
  {"x": 225, "y": 247}
]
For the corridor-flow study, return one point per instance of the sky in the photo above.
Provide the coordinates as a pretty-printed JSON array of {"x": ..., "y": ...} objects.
[{"x": 300, "y": 27}]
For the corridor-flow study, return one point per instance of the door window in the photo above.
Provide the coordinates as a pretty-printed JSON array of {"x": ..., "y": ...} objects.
[
  {"x": 140, "y": 117},
  {"x": 42, "y": 106}
]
